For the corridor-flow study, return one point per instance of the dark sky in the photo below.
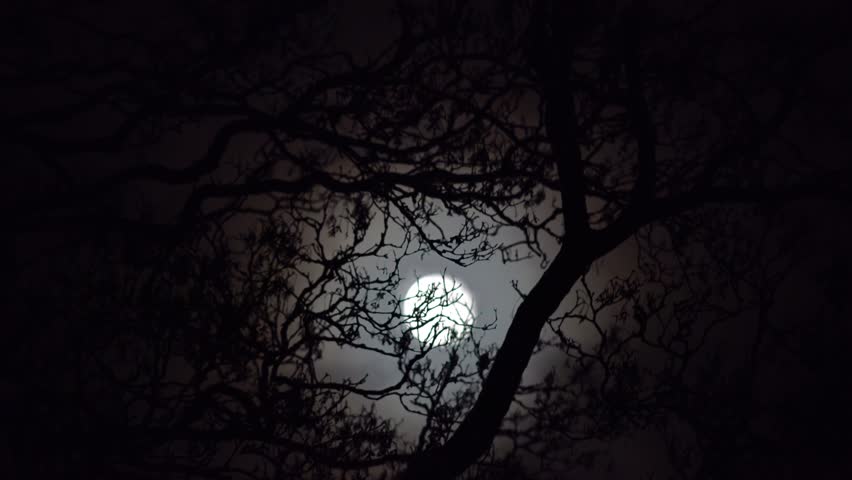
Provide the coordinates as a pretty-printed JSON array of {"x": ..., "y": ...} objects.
[{"x": 821, "y": 230}]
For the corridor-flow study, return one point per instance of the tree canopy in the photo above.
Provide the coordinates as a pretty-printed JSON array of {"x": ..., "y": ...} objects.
[{"x": 209, "y": 198}]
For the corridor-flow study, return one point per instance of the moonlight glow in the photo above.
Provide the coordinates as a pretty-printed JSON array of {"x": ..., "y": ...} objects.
[{"x": 438, "y": 305}]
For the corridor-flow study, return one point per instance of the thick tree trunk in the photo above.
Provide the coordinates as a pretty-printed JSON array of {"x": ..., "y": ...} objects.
[{"x": 476, "y": 433}]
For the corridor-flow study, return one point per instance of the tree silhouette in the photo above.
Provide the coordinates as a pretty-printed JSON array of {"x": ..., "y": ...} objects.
[{"x": 216, "y": 195}]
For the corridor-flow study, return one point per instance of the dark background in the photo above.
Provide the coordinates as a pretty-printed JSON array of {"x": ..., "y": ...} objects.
[{"x": 55, "y": 238}]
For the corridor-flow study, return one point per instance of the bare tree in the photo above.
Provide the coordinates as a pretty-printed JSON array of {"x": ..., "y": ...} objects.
[{"x": 239, "y": 189}]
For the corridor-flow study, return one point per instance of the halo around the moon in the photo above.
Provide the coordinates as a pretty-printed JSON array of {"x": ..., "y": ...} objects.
[{"x": 440, "y": 308}]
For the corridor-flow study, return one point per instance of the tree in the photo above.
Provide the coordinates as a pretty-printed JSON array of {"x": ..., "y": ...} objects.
[{"x": 240, "y": 188}]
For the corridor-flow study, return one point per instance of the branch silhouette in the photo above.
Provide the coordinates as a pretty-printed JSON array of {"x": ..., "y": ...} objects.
[{"x": 211, "y": 212}]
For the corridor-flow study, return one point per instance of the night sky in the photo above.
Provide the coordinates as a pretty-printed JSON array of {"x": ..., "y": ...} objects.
[{"x": 214, "y": 211}]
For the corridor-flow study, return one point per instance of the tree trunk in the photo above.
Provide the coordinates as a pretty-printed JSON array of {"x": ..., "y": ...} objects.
[{"x": 475, "y": 434}]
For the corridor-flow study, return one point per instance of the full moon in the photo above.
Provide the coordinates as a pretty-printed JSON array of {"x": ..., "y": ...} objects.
[{"x": 439, "y": 307}]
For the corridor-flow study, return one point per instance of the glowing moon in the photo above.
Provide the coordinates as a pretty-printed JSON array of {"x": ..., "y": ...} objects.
[{"x": 440, "y": 308}]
